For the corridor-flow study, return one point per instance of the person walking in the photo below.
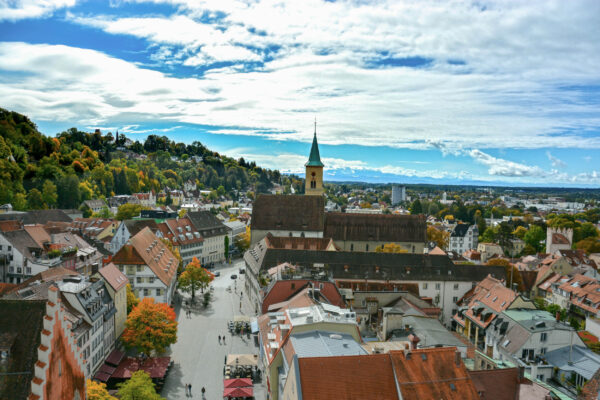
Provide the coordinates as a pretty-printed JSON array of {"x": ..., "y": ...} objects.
[
  {"x": 224, "y": 339},
  {"x": 203, "y": 391},
  {"x": 219, "y": 339},
  {"x": 187, "y": 390},
  {"x": 190, "y": 386}
]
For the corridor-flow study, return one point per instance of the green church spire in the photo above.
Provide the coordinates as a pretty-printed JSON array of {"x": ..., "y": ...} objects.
[{"x": 314, "y": 160}]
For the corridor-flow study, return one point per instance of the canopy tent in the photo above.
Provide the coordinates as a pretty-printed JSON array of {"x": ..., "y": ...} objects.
[
  {"x": 238, "y": 392},
  {"x": 242, "y": 359},
  {"x": 156, "y": 367},
  {"x": 237, "y": 382},
  {"x": 115, "y": 357},
  {"x": 254, "y": 325},
  {"x": 241, "y": 318}
]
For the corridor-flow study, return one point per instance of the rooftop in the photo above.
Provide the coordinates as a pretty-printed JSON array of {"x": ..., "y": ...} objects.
[{"x": 325, "y": 344}]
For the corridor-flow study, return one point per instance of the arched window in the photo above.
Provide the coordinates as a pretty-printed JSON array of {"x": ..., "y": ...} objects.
[
  {"x": 302, "y": 234},
  {"x": 313, "y": 184},
  {"x": 351, "y": 247},
  {"x": 290, "y": 234}
]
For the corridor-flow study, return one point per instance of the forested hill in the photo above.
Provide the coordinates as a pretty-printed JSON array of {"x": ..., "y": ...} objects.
[{"x": 38, "y": 171}]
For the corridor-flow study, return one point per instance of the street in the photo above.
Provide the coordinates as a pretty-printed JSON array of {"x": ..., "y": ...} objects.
[{"x": 198, "y": 357}]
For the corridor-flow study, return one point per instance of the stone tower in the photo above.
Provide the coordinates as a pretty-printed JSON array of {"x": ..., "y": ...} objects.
[{"x": 314, "y": 170}]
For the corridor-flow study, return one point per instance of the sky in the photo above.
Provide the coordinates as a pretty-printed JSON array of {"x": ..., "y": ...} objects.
[{"x": 453, "y": 92}]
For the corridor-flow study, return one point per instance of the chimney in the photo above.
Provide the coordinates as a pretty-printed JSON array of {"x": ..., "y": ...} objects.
[
  {"x": 414, "y": 341},
  {"x": 457, "y": 358}
]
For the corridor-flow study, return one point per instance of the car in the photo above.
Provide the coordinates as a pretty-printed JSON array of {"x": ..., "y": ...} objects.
[
  {"x": 242, "y": 271},
  {"x": 217, "y": 273},
  {"x": 234, "y": 276}
]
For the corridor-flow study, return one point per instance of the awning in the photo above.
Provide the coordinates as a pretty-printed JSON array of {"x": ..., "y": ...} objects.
[
  {"x": 115, "y": 357},
  {"x": 254, "y": 326},
  {"x": 242, "y": 359},
  {"x": 241, "y": 318},
  {"x": 101, "y": 376},
  {"x": 238, "y": 392},
  {"x": 156, "y": 367},
  {"x": 237, "y": 382},
  {"x": 107, "y": 369}
]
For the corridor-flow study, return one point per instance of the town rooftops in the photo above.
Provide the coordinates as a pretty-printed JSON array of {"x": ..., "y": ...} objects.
[
  {"x": 430, "y": 331},
  {"x": 375, "y": 227},
  {"x": 21, "y": 324},
  {"x": 115, "y": 278},
  {"x": 146, "y": 249},
  {"x": 136, "y": 225},
  {"x": 419, "y": 374},
  {"x": 460, "y": 230},
  {"x": 10, "y": 225},
  {"x": 324, "y": 344},
  {"x": 580, "y": 359},
  {"x": 207, "y": 224},
  {"x": 288, "y": 212},
  {"x": 283, "y": 290},
  {"x": 23, "y": 242},
  {"x": 299, "y": 243},
  {"x": 347, "y": 265}
]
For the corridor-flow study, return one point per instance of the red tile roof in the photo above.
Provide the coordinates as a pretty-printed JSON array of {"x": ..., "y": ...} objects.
[
  {"x": 425, "y": 374},
  {"x": 146, "y": 248},
  {"x": 496, "y": 384},
  {"x": 490, "y": 293},
  {"x": 115, "y": 278},
  {"x": 348, "y": 377},
  {"x": 10, "y": 225},
  {"x": 433, "y": 374},
  {"x": 283, "y": 290}
]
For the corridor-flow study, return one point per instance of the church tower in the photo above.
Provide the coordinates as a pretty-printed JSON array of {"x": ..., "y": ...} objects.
[{"x": 314, "y": 170}]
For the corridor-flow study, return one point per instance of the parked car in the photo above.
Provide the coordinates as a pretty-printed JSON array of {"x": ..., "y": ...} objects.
[
  {"x": 234, "y": 276},
  {"x": 217, "y": 273}
]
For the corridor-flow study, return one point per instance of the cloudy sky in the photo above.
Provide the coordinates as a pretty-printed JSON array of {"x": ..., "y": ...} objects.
[{"x": 498, "y": 92}]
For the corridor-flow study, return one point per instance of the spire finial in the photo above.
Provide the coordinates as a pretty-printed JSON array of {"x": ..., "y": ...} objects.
[{"x": 315, "y": 125}]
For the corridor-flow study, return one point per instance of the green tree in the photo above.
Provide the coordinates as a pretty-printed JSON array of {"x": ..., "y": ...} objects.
[
  {"x": 19, "y": 202},
  {"x": 226, "y": 247},
  {"x": 138, "y": 387},
  {"x": 194, "y": 278},
  {"x": 132, "y": 299},
  {"x": 49, "y": 193},
  {"x": 416, "y": 207},
  {"x": 534, "y": 236},
  {"x": 520, "y": 232},
  {"x": 128, "y": 211},
  {"x": 68, "y": 192},
  {"x": 35, "y": 201}
]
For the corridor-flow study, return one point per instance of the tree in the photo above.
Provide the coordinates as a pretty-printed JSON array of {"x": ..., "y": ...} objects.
[
  {"x": 68, "y": 192},
  {"x": 49, "y": 193},
  {"x": 416, "y": 207},
  {"x": 226, "y": 247},
  {"x": 589, "y": 245},
  {"x": 150, "y": 327},
  {"x": 438, "y": 236},
  {"x": 138, "y": 387},
  {"x": 97, "y": 391},
  {"x": 35, "y": 200},
  {"x": 512, "y": 273},
  {"x": 19, "y": 202},
  {"x": 534, "y": 237},
  {"x": 132, "y": 300},
  {"x": 242, "y": 242},
  {"x": 194, "y": 277},
  {"x": 520, "y": 232},
  {"x": 128, "y": 211},
  {"x": 390, "y": 248}
]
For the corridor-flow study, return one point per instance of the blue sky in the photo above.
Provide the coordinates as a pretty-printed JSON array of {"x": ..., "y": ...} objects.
[{"x": 485, "y": 92}]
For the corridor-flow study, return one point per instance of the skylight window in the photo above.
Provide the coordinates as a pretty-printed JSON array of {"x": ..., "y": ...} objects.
[{"x": 506, "y": 343}]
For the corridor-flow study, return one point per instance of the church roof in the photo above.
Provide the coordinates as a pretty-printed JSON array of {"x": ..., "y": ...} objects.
[{"x": 314, "y": 160}]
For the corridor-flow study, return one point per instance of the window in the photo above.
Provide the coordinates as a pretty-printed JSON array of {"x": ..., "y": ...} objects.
[
  {"x": 455, "y": 285},
  {"x": 425, "y": 286},
  {"x": 151, "y": 279},
  {"x": 438, "y": 286},
  {"x": 454, "y": 299},
  {"x": 158, "y": 292},
  {"x": 527, "y": 354},
  {"x": 139, "y": 268},
  {"x": 9, "y": 248},
  {"x": 543, "y": 351},
  {"x": 138, "y": 280},
  {"x": 146, "y": 292},
  {"x": 543, "y": 336},
  {"x": 367, "y": 247},
  {"x": 352, "y": 247}
]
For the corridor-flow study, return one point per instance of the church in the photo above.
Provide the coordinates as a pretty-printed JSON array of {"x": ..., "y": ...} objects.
[{"x": 304, "y": 216}]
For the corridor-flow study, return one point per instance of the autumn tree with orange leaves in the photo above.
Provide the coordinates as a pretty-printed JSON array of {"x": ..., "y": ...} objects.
[
  {"x": 150, "y": 327},
  {"x": 194, "y": 277}
]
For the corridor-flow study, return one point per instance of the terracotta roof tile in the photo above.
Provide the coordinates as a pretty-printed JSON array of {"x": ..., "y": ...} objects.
[
  {"x": 146, "y": 248},
  {"x": 496, "y": 384},
  {"x": 288, "y": 212},
  {"x": 115, "y": 278},
  {"x": 379, "y": 227}
]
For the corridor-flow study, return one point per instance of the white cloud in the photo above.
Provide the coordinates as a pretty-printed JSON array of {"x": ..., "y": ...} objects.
[
  {"x": 555, "y": 161},
  {"x": 501, "y": 167},
  {"x": 13, "y": 10}
]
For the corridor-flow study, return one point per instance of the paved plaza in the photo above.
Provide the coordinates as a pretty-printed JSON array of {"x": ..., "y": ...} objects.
[{"x": 198, "y": 358}]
